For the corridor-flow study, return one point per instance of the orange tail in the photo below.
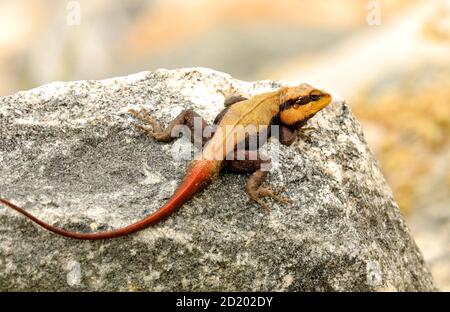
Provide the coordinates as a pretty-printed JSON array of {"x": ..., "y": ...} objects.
[{"x": 197, "y": 177}]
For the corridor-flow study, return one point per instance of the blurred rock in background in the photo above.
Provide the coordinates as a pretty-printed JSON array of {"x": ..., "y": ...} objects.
[{"x": 396, "y": 74}]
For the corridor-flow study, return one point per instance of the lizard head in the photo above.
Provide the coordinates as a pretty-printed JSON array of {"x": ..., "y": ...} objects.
[{"x": 301, "y": 103}]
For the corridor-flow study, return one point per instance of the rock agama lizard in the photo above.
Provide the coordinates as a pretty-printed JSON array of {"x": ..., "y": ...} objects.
[{"x": 288, "y": 107}]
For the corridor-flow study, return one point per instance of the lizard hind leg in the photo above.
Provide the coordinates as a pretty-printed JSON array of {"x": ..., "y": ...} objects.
[
  {"x": 257, "y": 192},
  {"x": 166, "y": 134},
  {"x": 253, "y": 163}
]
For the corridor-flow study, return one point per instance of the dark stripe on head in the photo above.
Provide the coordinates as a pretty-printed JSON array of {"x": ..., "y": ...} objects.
[
  {"x": 275, "y": 120},
  {"x": 300, "y": 101}
]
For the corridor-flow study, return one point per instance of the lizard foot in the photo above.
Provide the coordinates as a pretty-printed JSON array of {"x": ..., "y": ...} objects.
[
  {"x": 304, "y": 132},
  {"x": 157, "y": 130},
  {"x": 146, "y": 130},
  {"x": 261, "y": 192},
  {"x": 145, "y": 117}
]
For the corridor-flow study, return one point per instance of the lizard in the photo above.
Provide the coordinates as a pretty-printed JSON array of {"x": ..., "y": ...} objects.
[{"x": 289, "y": 108}]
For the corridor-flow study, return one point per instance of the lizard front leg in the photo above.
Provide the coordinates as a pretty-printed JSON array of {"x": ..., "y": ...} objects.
[
  {"x": 253, "y": 163},
  {"x": 288, "y": 136},
  {"x": 233, "y": 99},
  {"x": 229, "y": 100},
  {"x": 165, "y": 134}
]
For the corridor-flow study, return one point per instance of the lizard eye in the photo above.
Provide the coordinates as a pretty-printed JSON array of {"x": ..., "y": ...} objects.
[
  {"x": 314, "y": 97},
  {"x": 302, "y": 100}
]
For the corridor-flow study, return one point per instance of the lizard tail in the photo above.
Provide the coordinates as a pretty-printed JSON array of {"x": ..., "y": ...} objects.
[{"x": 200, "y": 174}]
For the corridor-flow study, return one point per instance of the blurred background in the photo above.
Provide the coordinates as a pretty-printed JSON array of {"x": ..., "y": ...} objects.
[{"x": 389, "y": 59}]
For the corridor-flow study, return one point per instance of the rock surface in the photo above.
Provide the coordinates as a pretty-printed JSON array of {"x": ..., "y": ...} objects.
[{"x": 70, "y": 156}]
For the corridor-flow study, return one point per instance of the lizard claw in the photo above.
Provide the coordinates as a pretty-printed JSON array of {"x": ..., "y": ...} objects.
[
  {"x": 145, "y": 130},
  {"x": 304, "y": 132},
  {"x": 267, "y": 192},
  {"x": 145, "y": 117},
  {"x": 262, "y": 204}
]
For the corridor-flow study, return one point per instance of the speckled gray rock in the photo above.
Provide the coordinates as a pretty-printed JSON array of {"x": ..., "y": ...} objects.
[{"x": 70, "y": 155}]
